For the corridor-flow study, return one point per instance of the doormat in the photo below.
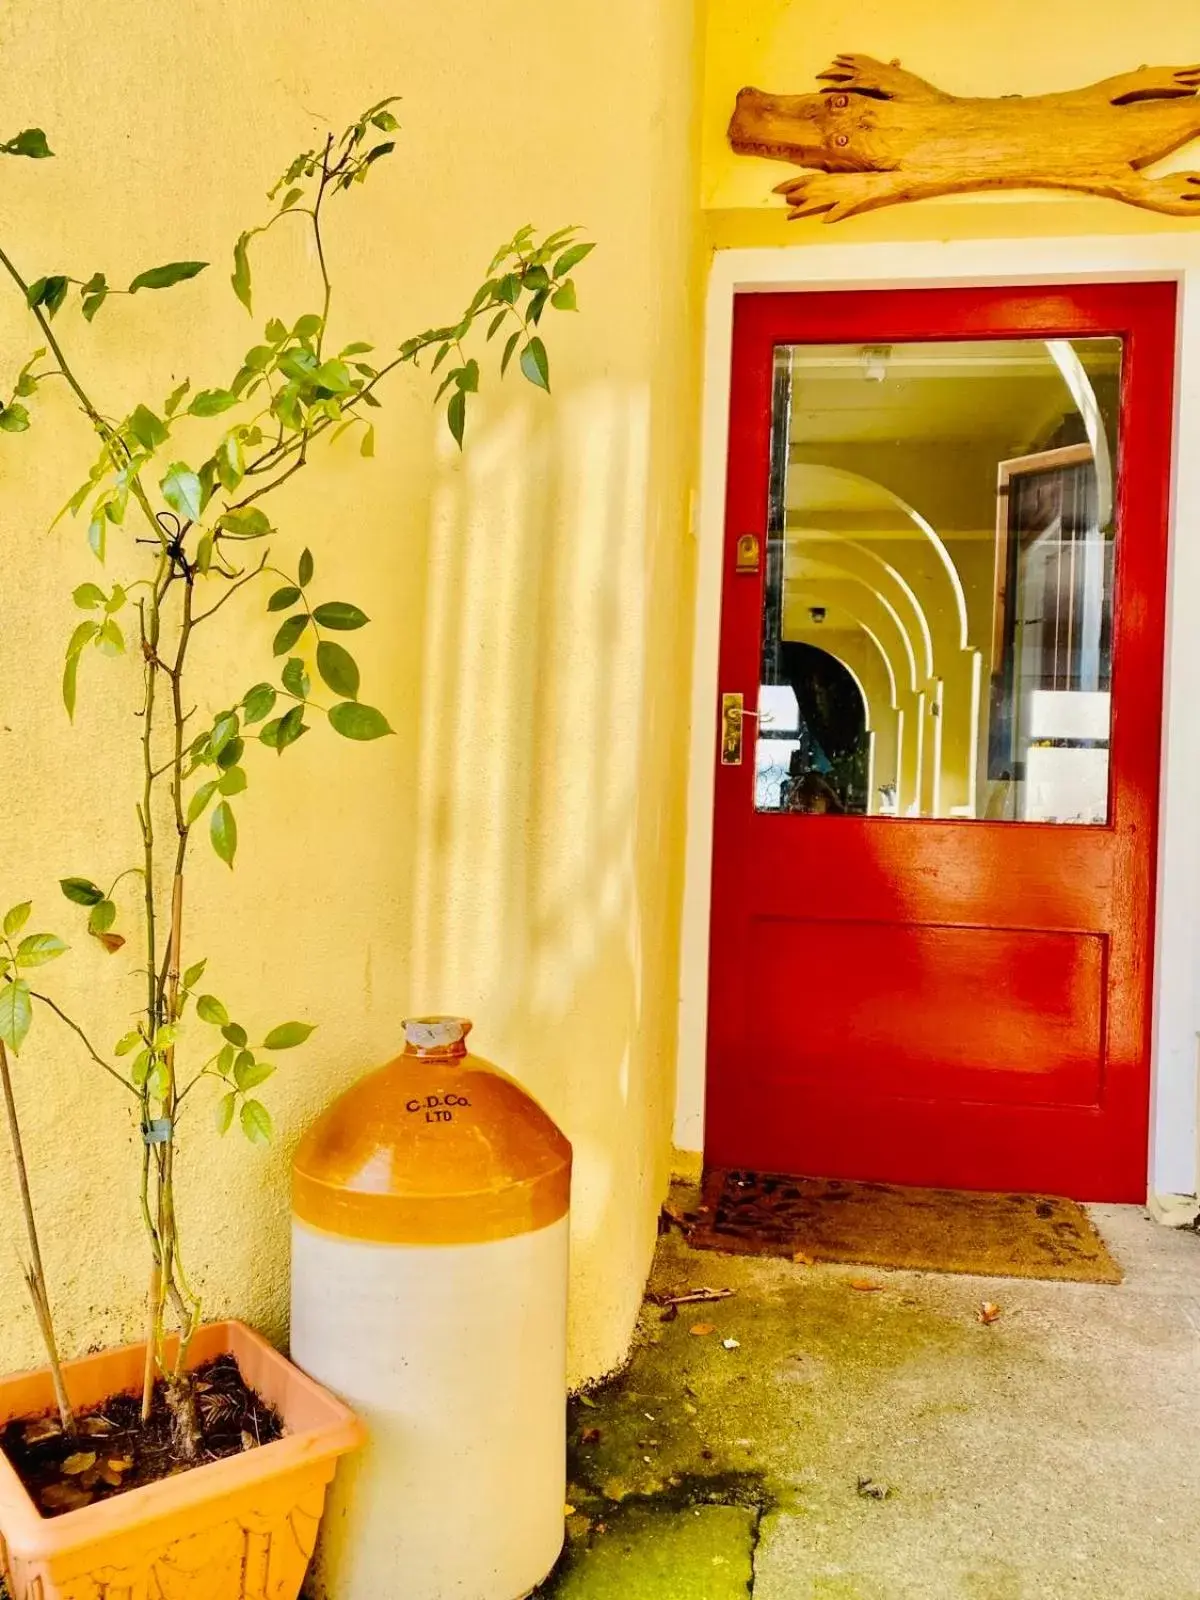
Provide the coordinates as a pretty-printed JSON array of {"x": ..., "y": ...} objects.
[{"x": 884, "y": 1225}]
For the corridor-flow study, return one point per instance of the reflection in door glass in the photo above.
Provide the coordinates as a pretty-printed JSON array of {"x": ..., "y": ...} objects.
[{"x": 938, "y": 581}]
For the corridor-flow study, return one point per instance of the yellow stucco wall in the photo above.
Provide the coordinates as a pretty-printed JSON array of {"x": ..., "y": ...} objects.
[{"x": 516, "y": 852}]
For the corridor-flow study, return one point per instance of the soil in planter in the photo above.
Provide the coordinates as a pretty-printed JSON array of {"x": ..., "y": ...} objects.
[{"x": 113, "y": 1450}]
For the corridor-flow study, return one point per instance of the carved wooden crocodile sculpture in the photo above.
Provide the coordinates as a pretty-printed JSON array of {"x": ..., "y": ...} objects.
[{"x": 879, "y": 135}]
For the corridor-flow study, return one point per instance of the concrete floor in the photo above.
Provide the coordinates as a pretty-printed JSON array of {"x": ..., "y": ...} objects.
[{"x": 889, "y": 1445}]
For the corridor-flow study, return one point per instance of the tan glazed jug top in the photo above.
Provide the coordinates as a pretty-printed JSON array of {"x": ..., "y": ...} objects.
[{"x": 437, "y": 1147}]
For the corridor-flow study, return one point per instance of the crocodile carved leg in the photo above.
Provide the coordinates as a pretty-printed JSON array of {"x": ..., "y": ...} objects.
[
  {"x": 886, "y": 80},
  {"x": 846, "y": 194},
  {"x": 1151, "y": 83},
  {"x": 843, "y": 194}
]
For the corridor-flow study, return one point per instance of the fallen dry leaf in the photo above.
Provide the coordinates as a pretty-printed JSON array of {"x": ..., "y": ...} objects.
[
  {"x": 249, "y": 1442},
  {"x": 96, "y": 1427},
  {"x": 731, "y": 1344},
  {"x": 989, "y": 1311},
  {"x": 865, "y": 1286},
  {"x": 590, "y": 1436},
  {"x": 39, "y": 1432},
  {"x": 568, "y": 1510},
  {"x": 868, "y": 1489},
  {"x": 64, "y": 1497},
  {"x": 119, "y": 1463},
  {"x": 802, "y": 1258},
  {"x": 81, "y": 1461},
  {"x": 699, "y": 1329}
]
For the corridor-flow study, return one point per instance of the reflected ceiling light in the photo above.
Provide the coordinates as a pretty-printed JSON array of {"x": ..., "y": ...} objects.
[{"x": 875, "y": 358}]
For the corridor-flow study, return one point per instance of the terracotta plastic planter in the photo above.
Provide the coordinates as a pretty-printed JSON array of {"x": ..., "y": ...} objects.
[{"x": 238, "y": 1529}]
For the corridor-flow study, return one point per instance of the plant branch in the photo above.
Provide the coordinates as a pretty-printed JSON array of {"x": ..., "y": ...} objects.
[
  {"x": 88, "y": 1045},
  {"x": 35, "y": 1273}
]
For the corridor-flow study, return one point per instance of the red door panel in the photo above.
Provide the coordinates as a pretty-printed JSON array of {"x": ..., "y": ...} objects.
[{"x": 932, "y": 1001}]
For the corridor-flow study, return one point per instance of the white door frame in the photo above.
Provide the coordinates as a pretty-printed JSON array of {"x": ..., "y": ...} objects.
[{"x": 1171, "y": 256}]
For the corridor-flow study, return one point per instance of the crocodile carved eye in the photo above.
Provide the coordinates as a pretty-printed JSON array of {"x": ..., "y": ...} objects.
[
  {"x": 842, "y": 138},
  {"x": 841, "y": 101}
]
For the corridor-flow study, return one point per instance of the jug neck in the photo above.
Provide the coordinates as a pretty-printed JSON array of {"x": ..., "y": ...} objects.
[{"x": 436, "y": 1038}]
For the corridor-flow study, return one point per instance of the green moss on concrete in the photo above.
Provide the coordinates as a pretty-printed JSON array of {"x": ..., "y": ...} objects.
[{"x": 677, "y": 1463}]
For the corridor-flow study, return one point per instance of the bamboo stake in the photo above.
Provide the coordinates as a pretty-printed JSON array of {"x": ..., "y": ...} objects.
[{"x": 35, "y": 1275}]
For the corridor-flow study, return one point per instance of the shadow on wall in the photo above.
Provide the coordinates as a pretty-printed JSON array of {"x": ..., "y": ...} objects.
[{"x": 545, "y": 894}]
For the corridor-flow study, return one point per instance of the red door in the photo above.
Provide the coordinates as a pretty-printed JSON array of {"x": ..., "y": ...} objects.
[{"x": 934, "y": 863}]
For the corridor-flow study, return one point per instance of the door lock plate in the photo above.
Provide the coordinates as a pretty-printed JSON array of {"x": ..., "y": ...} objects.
[{"x": 732, "y": 722}]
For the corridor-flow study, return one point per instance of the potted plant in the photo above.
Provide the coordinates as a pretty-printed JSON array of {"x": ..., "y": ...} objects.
[{"x": 107, "y": 1476}]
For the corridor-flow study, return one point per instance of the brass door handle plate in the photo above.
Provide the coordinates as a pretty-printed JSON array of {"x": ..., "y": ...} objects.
[{"x": 732, "y": 722}]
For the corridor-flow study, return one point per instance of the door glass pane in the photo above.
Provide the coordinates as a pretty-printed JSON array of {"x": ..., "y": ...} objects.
[{"x": 938, "y": 581}]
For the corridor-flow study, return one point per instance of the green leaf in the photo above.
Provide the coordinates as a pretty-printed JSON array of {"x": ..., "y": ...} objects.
[
  {"x": 89, "y": 597},
  {"x": 306, "y": 568},
  {"x": 146, "y": 428},
  {"x": 290, "y": 199},
  {"x": 535, "y": 279},
  {"x": 563, "y": 298},
  {"x": 513, "y": 341},
  {"x": 289, "y": 633},
  {"x": 110, "y": 640},
  {"x": 164, "y": 277},
  {"x": 211, "y": 402},
  {"x": 223, "y": 1116},
  {"x": 181, "y": 490},
  {"x": 49, "y": 292},
  {"x": 367, "y": 447},
  {"x": 231, "y": 467},
  {"x": 245, "y": 522},
  {"x": 225, "y": 1059},
  {"x": 248, "y": 1073},
  {"x": 14, "y": 418},
  {"x": 29, "y": 142},
  {"x": 175, "y": 398},
  {"x": 16, "y": 918},
  {"x": 83, "y": 635},
  {"x": 355, "y": 721},
  {"x": 38, "y": 948},
  {"x": 295, "y": 678},
  {"x": 282, "y": 599},
  {"x": 210, "y": 1009},
  {"x": 256, "y": 1122},
  {"x": 571, "y": 258},
  {"x": 222, "y": 830},
  {"x": 535, "y": 364},
  {"x": 127, "y": 1042},
  {"x": 236, "y": 1034},
  {"x": 258, "y": 703},
  {"x": 496, "y": 323},
  {"x": 224, "y": 729},
  {"x": 338, "y": 669},
  {"x": 16, "y": 1013},
  {"x": 308, "y": 326},
  {"x": 456, "y": 416},
  {"x": 275, "y": 331},
  {"x": 194, "y": 973},
  {"x": 140, "y": 1070},
  {"x": 93, "y": 294},
  {"x": 333, "y": 376},
  {"x": 81, "y": 891},
  {"x": 287, "y": 1035},
  {"x": 200, "y": 799},
  {"x": 290, "y": 728},
  {"x": 104, "y": 914},
  {"x": 241, "y": 271},
  {"x": 98, "y": 536},
  {"x": 234, "y": 780},
  {"x": 339, "y": 615}
]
